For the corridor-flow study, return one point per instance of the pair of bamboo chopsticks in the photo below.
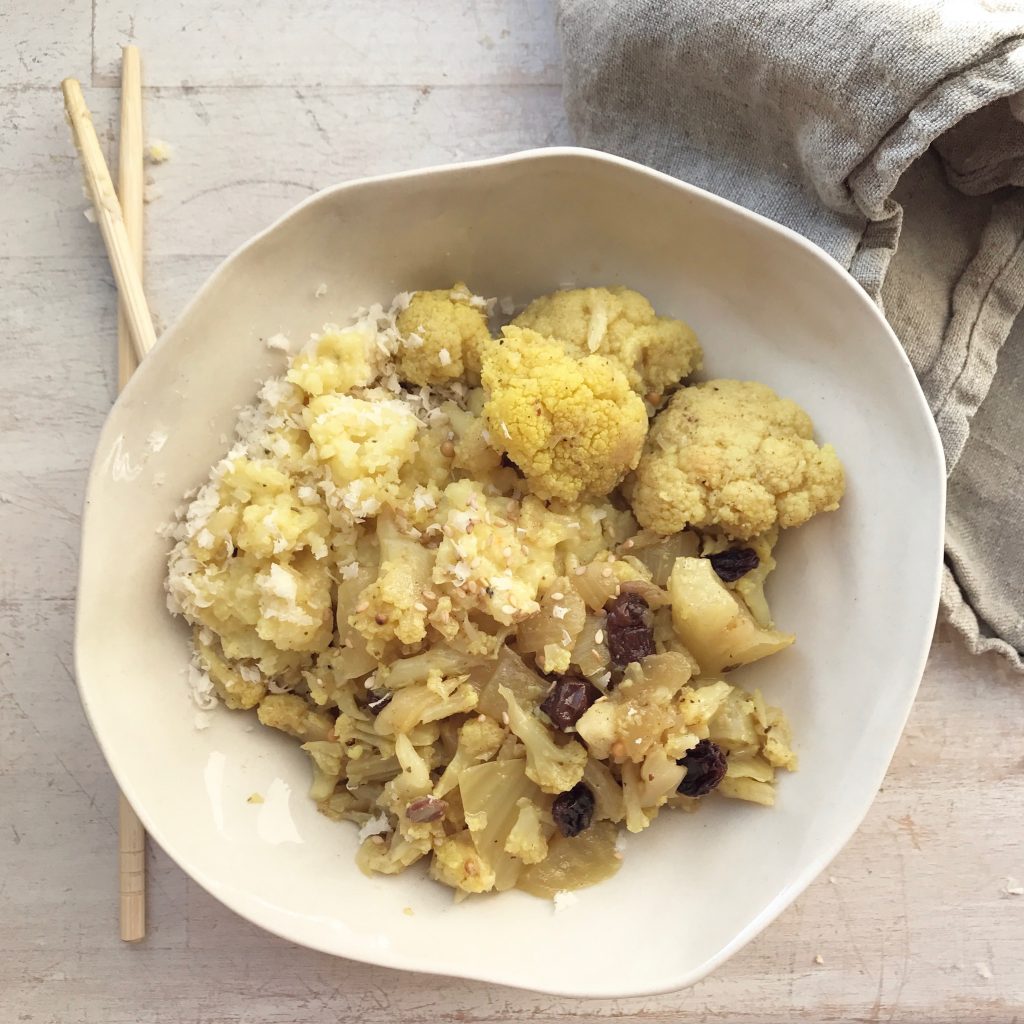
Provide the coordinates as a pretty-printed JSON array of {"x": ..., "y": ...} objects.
[{"x": 120, "y": 223}]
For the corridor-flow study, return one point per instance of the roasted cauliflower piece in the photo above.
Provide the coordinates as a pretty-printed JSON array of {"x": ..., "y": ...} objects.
[
  {"x": 572, "y": 426},
  {"x": 457, "y": 863},
  {"x": 733, "y": 454},
  {"x": 654, "y": 352},
  {"x": 339, "y": 361},
  {"x": 555, "y": 768},
  {"x": 443, "y": 333}
]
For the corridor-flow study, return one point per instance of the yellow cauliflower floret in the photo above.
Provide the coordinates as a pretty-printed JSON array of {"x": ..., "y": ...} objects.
[
  {"x": 479, "y": 740},
  {"x": 645, "y": 711},
  {"x": 295, "y": 608},
  {"x": 457, "y": 863},
  {"x": 482, "y": 560},
  {"x": 526, "y": 840},
  {"x": 239, "y": 688},
  {"x": 573, "y": 426},
  {"x": 654, "y": 352},
  {"x": 339, "y": 361},
  {"x": 393, "y": 607},
  {"x": 442, "y": 335},
  {"x": 365, "y": 444},
  {"x": 733, "y": 454},
  {"x": 555, "y": 768},
  {"x": 291, "y": 714}
]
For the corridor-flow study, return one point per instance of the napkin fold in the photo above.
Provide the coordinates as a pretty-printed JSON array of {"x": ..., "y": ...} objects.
[{"x": 890, "y": 133}]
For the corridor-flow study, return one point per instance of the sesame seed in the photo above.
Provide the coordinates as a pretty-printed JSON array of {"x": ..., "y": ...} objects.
[
  {"x": 556, "y": 596},
  {"x": 507, "y": 551},
  {"x": 481, "y": 718},
  {"x": 501, "y": 523},
  {"x": 380, "y": 618},
  {"x": 504, "y": 718},
  {"x": 447, "y": 449},
  {"x": 430, "y": 595},
  {"x": 362, "y": 606},
  {"x": 599, "y": 637},
  {"x": 606, "y": 574},
  {"x": 508, "y": 609},
  {"x": 628, "y": 544},
  {"x": 580, "y": 570},
  {"x": 420, "y": 606}
]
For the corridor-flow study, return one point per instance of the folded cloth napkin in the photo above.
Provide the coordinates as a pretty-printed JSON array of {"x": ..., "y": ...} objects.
[{"x": 890, "y": 133}]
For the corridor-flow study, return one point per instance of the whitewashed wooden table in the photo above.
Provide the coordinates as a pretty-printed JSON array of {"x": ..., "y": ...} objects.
[{"x": 264, "y": 103}]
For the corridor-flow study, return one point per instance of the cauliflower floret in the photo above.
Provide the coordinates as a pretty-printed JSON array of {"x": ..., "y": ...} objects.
[
  {"x": 231, "y": 685},
  {"x": 393, "y": 605},
  {"x": 337, "y": 361},
  {"x": 554, "y": 768},
  {"x": 654, "y": 352},
  {"x": 526, "y": 840},
  {"x": 327, "y": 761},
  {"x": 479, "y": 740},
  {"x": 573, "y": 426},
  {"x": 291, "y": 714},
  {"x": 457, "y": 863},
  {"x": 442, "y": 335},
  {"x": 482, "y": 559},
  {"x": 365, "y": 444},
  {"x": 733, "y": 454},
  {"x": 295, "y": 609},
  {"x": 388, "y": 856},
  {"x": 641, "y": 713}
]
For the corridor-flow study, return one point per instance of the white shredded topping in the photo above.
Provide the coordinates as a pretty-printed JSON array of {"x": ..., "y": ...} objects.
[
  {"x": 200, "y": 686},
  {"x": 279, "y": 342},
  {"x": 349, "y": 571},
  {"x": 444, "y": 357},
  {"x": 378, "y": 826},
  {"x": 559, "y": 611},
  {"x": 563, "y": 900}
]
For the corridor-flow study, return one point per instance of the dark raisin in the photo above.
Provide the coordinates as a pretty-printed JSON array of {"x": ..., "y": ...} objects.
[
  {"x": 573, "y": 811},
  {"x": 379, "y": 701},
  {"x": 705, "y": 768},
  {"x": 734, "y": 563},
  {"x": 426, "y": 808},
  {"x": 629, "y": 627},
  {"x": 567, "y": 700}
]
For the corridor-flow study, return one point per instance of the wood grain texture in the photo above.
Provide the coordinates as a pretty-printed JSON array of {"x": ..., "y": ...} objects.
[{"x": 917, "y": 902}]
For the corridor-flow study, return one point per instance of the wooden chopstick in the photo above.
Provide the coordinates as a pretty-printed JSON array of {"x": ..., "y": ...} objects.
[
  {"x": 130, "y": 185},
  {"x": 130, "y": 189},
  {"x": 110, "y": 219}
]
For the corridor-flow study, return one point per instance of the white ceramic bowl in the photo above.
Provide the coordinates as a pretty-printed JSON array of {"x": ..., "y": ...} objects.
[{"x": 859, "y": 587}]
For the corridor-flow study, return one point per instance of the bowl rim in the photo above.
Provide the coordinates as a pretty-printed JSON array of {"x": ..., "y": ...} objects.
[{"x": 350, "y": 949}]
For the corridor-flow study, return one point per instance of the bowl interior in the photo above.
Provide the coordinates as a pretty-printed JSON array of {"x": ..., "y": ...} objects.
[{"x": 858, "y": 587}]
